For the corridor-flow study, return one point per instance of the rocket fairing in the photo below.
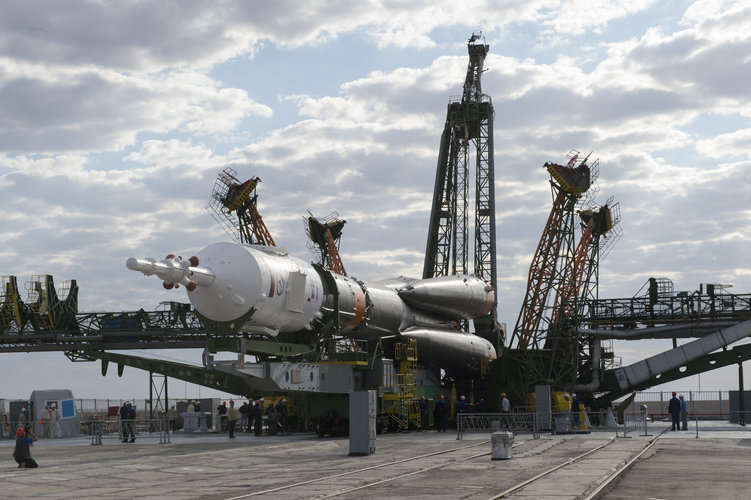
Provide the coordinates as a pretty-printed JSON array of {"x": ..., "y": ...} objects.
[{"x": 275, "y": 292}]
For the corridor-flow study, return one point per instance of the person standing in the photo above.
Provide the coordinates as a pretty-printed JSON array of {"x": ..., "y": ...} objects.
[
  {"x": 221, "y": 411},
  {"x": 172, "y": 418},
  {"x": 22, "y": 453},
  {"x": 281, "y": 412},
  {"x": 684, "y": 413},
  {"x": 462, "y": 406},
  {"x": 45, "y": 417},
  {"x": 505, "y": 412},
  {"x": 128, "y": 420},
  {"x": 55, "y": 421},
  {"x": 439, "y": 415},
  {"x": 23, "y": 418},
  {"x": 257, "y": 414},
  {"x": 482, "y": 407},
  {"x": 232, "y": 415},
  {"x": 271, "y": 422},
  {"x": 244, "y": 409},
  {"x": 674, "y": 408},
  {"x": 423, "y": 404}
]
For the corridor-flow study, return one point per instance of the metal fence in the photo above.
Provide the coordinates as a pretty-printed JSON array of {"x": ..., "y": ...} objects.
[
  {"x": 99, "y": 429},
  {"x": 535, "y": 423},
  {"x": 104, "y": 411},
  {"x": 629, "y": 424},
  {"x": 702, "y": 404}
]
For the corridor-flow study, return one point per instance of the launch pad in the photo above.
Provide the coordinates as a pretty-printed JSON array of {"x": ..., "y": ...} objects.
[
  {"x": 408, "y": 465},
  {"x": 314, "y": 332}
]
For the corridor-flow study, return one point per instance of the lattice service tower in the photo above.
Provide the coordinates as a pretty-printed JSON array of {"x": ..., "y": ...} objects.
[{"x": 468, "y": 131}]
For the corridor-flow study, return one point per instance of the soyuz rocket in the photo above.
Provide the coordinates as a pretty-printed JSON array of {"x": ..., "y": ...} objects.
[{"x": 270, "y": 291}]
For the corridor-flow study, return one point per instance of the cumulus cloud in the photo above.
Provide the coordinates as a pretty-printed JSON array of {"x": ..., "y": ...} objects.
[{"x": 735, "y": 144}]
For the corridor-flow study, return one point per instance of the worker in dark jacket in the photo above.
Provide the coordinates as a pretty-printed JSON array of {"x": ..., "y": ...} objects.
[
  {"x": 674, "y": 408},
  {"x": 128, "y": 421},
  {"x": 423, "y": 404},
  {"x": 22, "y": 453},
  {"x": 439, "y": 415},
  {"x": 257, "y": 413}
]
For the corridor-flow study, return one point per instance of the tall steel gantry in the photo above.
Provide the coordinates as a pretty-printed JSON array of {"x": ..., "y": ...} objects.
[{"x": 468, "y": 129}]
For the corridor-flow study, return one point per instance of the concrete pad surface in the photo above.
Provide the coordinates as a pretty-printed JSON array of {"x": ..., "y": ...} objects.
[{"x": 406, "y": 465}]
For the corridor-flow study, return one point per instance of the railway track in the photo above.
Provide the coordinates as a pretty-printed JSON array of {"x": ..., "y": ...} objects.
[
  {"x": 524, "y": 488},
  {"x": 288, "y": 489},
  {"x": 537, "y": 466}
]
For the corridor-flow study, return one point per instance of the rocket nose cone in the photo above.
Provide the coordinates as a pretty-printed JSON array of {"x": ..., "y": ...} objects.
[
  {"x": 132, "y": 264},
  {"x": 237, "y": 287}
]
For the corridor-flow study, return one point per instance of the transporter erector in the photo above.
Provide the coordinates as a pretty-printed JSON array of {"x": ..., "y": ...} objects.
[{"x": 262, "y": 290}]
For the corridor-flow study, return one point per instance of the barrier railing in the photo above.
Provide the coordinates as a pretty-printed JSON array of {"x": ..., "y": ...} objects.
[
  {"x": 564, "y": 422},
  {"x": 99, "y": 429},
  {"x": 632, "y": 423},
  {"x": 490, "y": 422}
]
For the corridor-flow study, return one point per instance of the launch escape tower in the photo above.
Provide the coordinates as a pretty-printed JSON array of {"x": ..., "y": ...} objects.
[
  {"x": 230, "y": 195},
  {"x": 468, "y": 129}
]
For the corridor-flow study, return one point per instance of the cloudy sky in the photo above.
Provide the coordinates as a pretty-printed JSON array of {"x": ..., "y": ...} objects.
[{"x": 116, "y": 117}]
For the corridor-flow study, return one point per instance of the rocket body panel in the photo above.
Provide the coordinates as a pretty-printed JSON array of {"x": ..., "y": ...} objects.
[
  {"x": 460, "y": 297},
  {"x": 395, "y": 283},
  {"x": 349, "y": 300},
  {"x": 286, "y": 292},
  {"x": 387, "y": 313},
  {"x": 455, "y": 352}
]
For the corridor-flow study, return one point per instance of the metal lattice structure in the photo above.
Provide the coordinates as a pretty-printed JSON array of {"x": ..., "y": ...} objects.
[
  {"x": 544, "y": 349},
  {"x": 323, "y": 240},
  {"x": 230, "y": 196},
  {"x": 43, "y": 310},
  {"x": 468, "y": 130},
  {"x": 600, "y": 229},
  {"x": 551, "y": 264}
]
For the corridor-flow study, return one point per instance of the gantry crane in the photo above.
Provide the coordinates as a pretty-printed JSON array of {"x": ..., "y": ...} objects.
[
  {"x": 468, "y": 130},
  {"x": 230, "y": 195}
]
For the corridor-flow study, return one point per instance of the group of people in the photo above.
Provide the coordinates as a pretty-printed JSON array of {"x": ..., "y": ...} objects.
[
  {"x": 247, "y": 417},
  {"x": 254, "y": 410},
  {"x": 441, "y": 410},
  {"x": 49, "y": 419}
]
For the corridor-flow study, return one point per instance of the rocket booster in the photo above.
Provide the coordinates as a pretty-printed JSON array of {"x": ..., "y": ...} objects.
[{"x": 276, "y": 292}]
